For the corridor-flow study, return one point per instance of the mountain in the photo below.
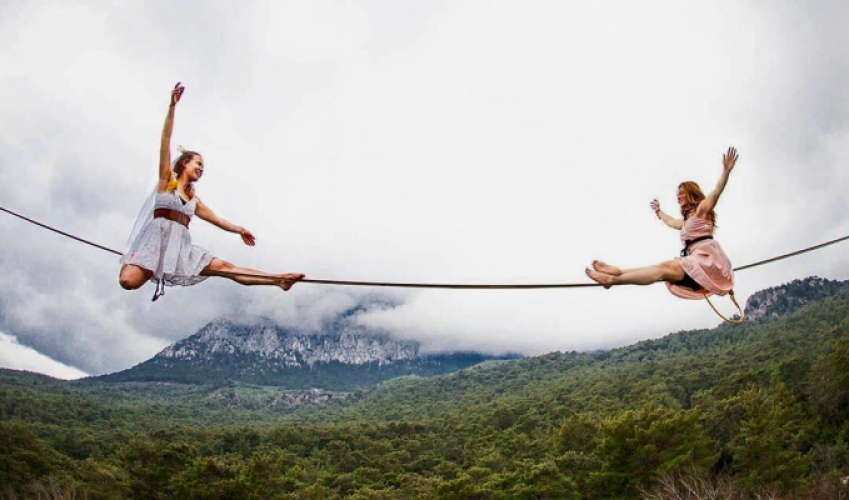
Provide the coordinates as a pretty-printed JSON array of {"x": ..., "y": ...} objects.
[
  {"x": 343, "y": 357},
  {"x": 780, "y": 300}
]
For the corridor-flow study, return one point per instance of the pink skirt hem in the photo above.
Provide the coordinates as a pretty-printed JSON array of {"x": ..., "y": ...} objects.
[{"x": 708, "y": 266}]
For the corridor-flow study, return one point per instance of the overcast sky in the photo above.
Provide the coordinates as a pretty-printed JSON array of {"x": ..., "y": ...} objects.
[
  {"x": 414, "y": 141},
  {"x": 19, "y": 357}
]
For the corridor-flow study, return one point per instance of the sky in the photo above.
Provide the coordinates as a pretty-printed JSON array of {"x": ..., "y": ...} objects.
[
  {"x": 19, "y": 357},
  {"x": 467, "y": 141}
]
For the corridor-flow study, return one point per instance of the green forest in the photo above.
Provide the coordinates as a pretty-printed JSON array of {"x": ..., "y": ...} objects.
[{"x": 751, "y": 411}]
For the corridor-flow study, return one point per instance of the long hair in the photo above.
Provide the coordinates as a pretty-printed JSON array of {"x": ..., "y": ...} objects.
[
  {"x": 693, "y": 195},
  {"x": 180, "y": 165}
]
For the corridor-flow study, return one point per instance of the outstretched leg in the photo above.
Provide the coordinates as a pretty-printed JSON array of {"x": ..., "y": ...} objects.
[
  {"x": 606, "y": 268},
  {"x": 670, "y": 270},
  {"x": 219, "y": 267}
]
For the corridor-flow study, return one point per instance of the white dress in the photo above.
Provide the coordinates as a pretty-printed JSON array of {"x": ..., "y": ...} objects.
[{"x": 165, "y": 248}]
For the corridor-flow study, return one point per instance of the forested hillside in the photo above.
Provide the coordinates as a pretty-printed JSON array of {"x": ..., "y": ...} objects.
[{"x": 758, "y": 409}]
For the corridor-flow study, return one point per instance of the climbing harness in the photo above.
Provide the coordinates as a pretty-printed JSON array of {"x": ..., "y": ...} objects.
[{"x": 687, "y": 244}]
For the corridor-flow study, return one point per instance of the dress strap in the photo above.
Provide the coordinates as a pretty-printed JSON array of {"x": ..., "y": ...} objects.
[
  {"x": 160, "y": 282},
  {"x": 159, "y": 291}
]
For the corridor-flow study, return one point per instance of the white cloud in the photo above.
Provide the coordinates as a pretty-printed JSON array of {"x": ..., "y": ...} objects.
[
  {"x": 415, "y": 141},
  {"x": 18, "y": 357}
]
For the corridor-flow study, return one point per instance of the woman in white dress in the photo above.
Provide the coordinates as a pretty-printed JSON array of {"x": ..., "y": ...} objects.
[{"x": 161, "y": 247}]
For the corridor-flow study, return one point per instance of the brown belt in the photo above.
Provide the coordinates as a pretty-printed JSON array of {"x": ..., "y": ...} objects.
[{"x": 167, "y": 213}]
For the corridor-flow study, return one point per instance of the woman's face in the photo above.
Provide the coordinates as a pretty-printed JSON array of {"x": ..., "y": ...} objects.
[
  {"x": 194, "y": 168},
  {"x": 681, "y": 198}
]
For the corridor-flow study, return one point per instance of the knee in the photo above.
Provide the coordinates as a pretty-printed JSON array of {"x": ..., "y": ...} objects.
[
  {"x": 672, "y": 270},
  {"x": 221, "y": 265},
  {"x": 128, "y": 283},
  {"x": 130, "y": 280}
]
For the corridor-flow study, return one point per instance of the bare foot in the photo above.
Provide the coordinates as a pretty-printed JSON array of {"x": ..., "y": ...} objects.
[
  {"x": 605, "y": 280},
  {"x": 288, "y": 280},
  {"x": 606, "y": 268}
]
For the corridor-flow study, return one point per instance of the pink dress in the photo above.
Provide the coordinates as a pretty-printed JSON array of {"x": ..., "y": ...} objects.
[{"x": 706, "y": 263}]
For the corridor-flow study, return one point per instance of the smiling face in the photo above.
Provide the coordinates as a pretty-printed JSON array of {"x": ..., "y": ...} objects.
[
  {"x": 194, "y": 168},
  {"x": 189, "y": 166}
]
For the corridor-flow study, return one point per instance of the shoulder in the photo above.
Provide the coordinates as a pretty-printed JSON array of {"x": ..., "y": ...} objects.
[
  {"x": 199, "y": 205},
  {"x": 701, "y": 211}
]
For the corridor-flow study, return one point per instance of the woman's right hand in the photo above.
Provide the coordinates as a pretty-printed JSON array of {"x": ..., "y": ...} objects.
[
  {"x": 177, "y": 93},
  {"x": 655, "y": 206}
]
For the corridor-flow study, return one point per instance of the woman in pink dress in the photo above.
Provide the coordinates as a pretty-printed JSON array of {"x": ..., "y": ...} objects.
[{"x": 703, "y": 268}]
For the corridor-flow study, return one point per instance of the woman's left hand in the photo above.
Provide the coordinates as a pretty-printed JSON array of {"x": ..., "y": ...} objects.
[
  {"x": 247, "y": 237},
  {"x": 729, "y": 159}
]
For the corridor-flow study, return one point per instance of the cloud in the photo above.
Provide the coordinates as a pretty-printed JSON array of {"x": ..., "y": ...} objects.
[
  {"x": 18, "y": 357},
  {"x": 424, "y": 141}
]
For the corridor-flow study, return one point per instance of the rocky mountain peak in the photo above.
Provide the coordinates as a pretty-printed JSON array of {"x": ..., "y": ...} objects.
[
  {"x": 783, "y": 299},
  {"x": 346, "y": 344},
  {"x": 342, "y": 356}
]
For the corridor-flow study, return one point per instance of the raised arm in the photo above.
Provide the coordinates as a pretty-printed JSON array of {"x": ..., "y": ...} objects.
[
  {"x": 729, "y": 160},
  {"x": 165, "y": 142},
  {"x": 205, "y": 213},
  {"x": 667, "y": 219}
]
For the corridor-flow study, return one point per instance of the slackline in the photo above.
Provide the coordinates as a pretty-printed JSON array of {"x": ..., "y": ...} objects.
[{"x": 454, "y": 286}]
